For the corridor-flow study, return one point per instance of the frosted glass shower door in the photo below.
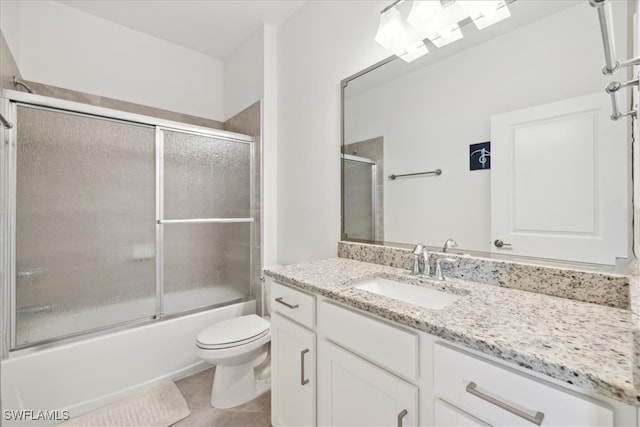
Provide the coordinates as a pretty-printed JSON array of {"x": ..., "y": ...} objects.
[
  {"x": 359, "y": 201},
  {"x": 206, "y": 221},
  {"x": 85, "y": 223}
]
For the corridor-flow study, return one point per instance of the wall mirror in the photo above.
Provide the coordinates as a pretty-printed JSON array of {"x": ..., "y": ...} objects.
[{"x": 554, "y": 180}]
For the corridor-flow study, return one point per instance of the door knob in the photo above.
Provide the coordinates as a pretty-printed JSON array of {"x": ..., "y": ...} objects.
[{"x": 499, "y": 243}]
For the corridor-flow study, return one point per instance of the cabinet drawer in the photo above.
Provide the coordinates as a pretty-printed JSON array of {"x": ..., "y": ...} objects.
[
  {"x": 294, "y": 304},
  {"x": 446, "y": 415},
  {"x": 495, "y": 394},
  {"x": 393, "y": 348}
]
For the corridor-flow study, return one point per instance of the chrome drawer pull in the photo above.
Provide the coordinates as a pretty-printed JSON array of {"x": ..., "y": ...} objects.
[
  {"x": 401, "y": 415},
  {"x": 537, "y": 419},
  {"x": 286, "y": 304},
  {"x": 302, "y": 353}
]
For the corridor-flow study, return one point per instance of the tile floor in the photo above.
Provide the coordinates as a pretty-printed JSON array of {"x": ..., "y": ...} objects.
[{"x": 196, "y": 390}]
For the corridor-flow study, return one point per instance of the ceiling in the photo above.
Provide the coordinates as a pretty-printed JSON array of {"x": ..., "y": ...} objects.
[{"x": 215, "y": 28}]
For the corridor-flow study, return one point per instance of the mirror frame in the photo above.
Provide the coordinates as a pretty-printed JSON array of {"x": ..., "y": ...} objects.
[{"x": 632, "y": 261}]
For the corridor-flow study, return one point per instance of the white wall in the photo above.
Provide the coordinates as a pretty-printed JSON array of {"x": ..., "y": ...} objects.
[
  {"x": 62, "y": 46},
  {"x": 10, "y": 26},
  {"x": 244, "y": 71},
  {"x": 430, "y": 117},
  {"x": 323, "y": 43},
  {"x": 269, "y": 148}
]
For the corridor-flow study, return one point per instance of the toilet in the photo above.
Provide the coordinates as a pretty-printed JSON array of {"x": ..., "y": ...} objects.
[{"x": 239, "y": 347}]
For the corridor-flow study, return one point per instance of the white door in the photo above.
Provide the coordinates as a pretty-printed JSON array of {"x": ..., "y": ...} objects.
[
  {"x": 293, "y": 380},
  {"x": 353, "y": 392},
  {"x": 540, "y": 207}
]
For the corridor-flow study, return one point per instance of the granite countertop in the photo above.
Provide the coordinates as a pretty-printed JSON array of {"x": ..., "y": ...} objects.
[{"x": 585, "y": 344}]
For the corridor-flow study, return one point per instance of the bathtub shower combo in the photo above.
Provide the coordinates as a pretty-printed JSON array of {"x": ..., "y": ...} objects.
[{"x": 113, "y": 219}]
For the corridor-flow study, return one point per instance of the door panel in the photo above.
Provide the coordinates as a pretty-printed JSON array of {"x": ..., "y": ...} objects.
[
  {"x": 293, "y": 400},
  {"x": 85, "y": 233},
  {"x": 354, "y": 392},
  {"x": 542, "y": 208}
]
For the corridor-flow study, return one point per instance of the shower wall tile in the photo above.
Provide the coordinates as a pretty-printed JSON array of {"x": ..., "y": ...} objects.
[
  {"x": 248, "y": 122},
  {"x": 67, "y": 95},
  {"x": 115, "y": 104},
  {"x": 160, "y": 113}
]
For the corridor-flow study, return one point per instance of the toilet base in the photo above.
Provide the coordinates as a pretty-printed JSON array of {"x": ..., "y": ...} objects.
[{"x": 238, "y": 384}]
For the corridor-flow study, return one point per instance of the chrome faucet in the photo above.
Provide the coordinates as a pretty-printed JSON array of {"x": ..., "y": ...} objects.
[
  {"x": 421, "y": 253},
  {"x": 450, "y": 243},
  {"x": 439, "y": 275}
]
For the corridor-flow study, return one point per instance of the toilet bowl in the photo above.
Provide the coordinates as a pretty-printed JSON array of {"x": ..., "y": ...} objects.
[{"x": 239, "y": 348}]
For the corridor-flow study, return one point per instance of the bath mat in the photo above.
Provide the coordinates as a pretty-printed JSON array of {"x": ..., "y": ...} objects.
[{"x": 161, "y": 406}]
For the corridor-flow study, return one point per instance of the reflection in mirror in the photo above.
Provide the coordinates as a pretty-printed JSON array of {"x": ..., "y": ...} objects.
[{"x": 558, "y": 183}]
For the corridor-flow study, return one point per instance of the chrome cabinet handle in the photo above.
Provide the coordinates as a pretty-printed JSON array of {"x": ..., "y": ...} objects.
[
  {"x": 535, "y": 419},
  {"x": 499, "y": 243},
  {"x": 286, "y": 304},
  {"x": 401, "y": 415},
  {"x": 302, "y": 380}
]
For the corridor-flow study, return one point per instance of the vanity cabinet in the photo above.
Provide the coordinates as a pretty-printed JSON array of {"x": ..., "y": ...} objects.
[
  {"x": 293, "y": 358},
  {"x": 373, "y": 372}
]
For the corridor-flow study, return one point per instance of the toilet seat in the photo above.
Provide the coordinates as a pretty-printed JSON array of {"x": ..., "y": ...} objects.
[{"x": 233, "y": 332}]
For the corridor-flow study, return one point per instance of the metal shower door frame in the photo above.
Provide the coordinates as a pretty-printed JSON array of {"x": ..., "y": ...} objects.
[
  {"x": 8, "y": 107},
  {"x": 374, "y": 184}
]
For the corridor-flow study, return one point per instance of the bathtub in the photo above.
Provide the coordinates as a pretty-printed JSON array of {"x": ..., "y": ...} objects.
[{"x": 87, "y": 374}]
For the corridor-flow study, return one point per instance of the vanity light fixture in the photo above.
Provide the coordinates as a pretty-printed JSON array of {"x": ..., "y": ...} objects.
[
  {"x": 486, "y": 13},
  {"x": 429, "y": 19},
  {"x": 438, "y": 24},
  {"x": 403, "y": 40}
]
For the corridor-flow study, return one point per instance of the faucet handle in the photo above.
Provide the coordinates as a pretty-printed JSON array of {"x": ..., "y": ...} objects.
[
  {"x": 416, "y": 265},
  {"x": 426, "y": 272},
  {"x": 439, "y": 261},
  {"x": 418, "y": 251}
]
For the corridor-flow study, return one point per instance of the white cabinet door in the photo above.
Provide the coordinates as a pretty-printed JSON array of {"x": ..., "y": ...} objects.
[
  {"x": 543, "y": 208},
  {"x": 293, "y": 353},
  {"x": 353, "y": 392},
  {"x": 446, "y": 415}
]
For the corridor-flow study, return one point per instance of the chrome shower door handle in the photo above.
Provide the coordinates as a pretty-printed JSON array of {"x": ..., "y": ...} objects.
[
  {"x": 535, "y": 419},
  {"x": 401, "y": 415},
  {"x": 303, "y": 381},
  {"x": 499, "y": 243}
]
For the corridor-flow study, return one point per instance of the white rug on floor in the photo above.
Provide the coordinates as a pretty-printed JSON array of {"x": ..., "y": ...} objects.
[{"x": 161, "y": 406}]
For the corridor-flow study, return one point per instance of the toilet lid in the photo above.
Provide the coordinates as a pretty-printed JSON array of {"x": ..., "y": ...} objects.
[{"x": 233, "y": 332}]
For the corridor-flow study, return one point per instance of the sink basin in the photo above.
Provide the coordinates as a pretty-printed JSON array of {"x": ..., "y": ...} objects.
[{"x": 425, "y": 297}]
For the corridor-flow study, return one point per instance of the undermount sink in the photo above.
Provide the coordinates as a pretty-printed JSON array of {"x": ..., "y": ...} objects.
[{"x": 425, "y": 297}]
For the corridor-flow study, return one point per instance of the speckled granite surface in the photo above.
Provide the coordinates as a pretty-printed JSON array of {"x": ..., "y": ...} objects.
[
  {"x": 589, "y": 345},
  {"x": 588, "y": 286}
]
